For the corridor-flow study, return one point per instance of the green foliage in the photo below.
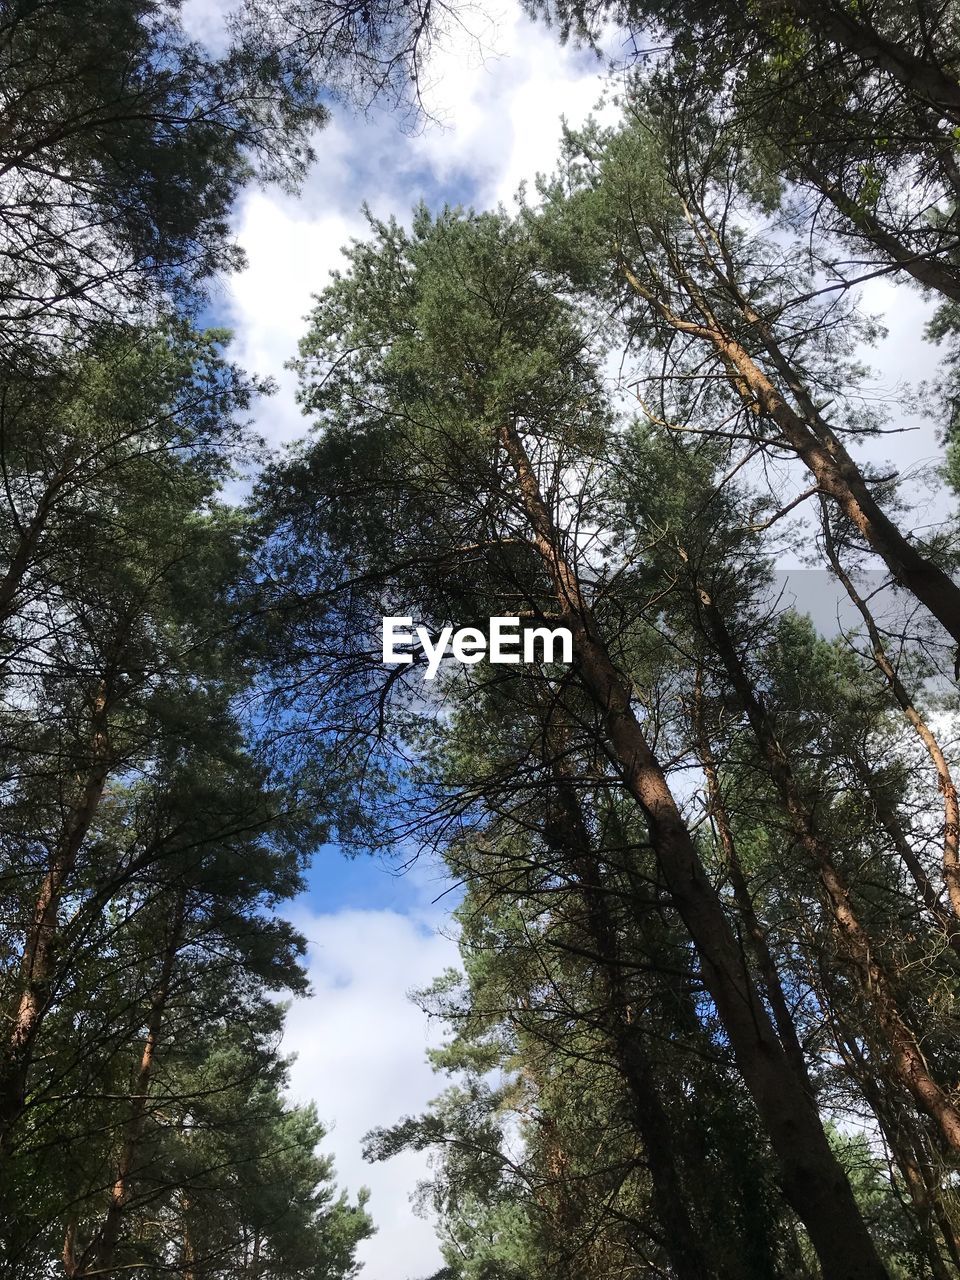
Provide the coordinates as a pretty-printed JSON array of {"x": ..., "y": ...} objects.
[
  {"x": 143, "y": 1123},
  {"x": 583, "y": 1020},
  {"x": 192, "y": 696}
]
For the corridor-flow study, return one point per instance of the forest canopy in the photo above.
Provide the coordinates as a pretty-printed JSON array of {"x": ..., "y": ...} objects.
[{"x": 706, "y": 871}]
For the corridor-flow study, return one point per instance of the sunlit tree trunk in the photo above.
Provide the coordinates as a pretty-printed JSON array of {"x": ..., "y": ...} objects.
[
  {"x": 38, "y": 958},
  {"x": 812, "y": 1180},
  {"x": 906, "y": 1055},
  {"x": 816, "y": 445}
]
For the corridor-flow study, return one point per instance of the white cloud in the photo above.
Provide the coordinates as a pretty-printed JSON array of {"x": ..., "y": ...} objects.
[
  {"x": 498, "y": 92},
  {"x": 361, "y": 1046},
  {"x": 203, "y": 20},
  {"x": 290, "y": 255},
  {"x": 510, "y": 106}
]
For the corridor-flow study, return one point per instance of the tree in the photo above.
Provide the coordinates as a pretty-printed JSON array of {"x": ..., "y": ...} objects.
[
  {"x": 854, "y": 106},
  {"x": 729, "y": 324},
  {"x": 456, "y": 391},
  {"x": 125, "y": 144},
  {"x": 148, "y": 839}
]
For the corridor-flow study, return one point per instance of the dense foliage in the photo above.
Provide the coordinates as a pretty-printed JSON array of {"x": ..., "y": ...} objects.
[
  {"x": 149, "y": 831},
  {"x": 706, "y": 1023},
  {"x": 709, "y": 870}
]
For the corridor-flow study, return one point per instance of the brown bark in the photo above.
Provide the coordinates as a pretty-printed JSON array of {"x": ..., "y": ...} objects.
[
  {"x": 905, "y": 1144},
  {"x": 927, "y": 1201},
  {"x": 890, "y": 821},
  {"x": 908, "y": 1062},
  {"x": 769, "y": 973},
  {"x": 929, "y": 269},
  {"x": 812, "y": 1180},
  {"x": 28, "y": 541},
  {"x": 919, "y": 76},
  {"x": 946, "y": 1222},
  {"x": 37, "y": 961},
  {"x": 681, "y": 1241},
  {"x": 189, "y": 1252},
  {"x": 951, "y": 807},
  {"x": 823, "y": 454},
  {"x": 70, "y": 1250},
  {"x": 922, "y": 1207},
  {"x": 98, "y": 1257}
]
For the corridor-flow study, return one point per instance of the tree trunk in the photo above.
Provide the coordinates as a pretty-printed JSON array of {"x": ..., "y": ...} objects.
[
  {"x": 769, "y": 973},
  {"x": 951, "y": 807},
  {"x": 37, "y": 961},
  {"x": 28, "y": 541},
  {"x": 681, "y": 1241},
  {"x": 189, "y": 1251},
  {"x": 905, "y": 1144},
  {"x": 890, "y": 821},
  {"x": 922, "y": 78},
  {"x": 928, "y": 269},
  {"x": 909, "y": 1064},
  {"x": 98, "y": 1257},
  {"x": 824, "y": 456},
  {"x": 812, "y": 1179}
]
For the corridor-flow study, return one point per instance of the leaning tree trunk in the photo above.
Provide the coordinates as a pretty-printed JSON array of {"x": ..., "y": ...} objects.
[
  {"x": 945, "y": 782},
  {"x": 922, "y": 77},
  {"x": 909, "y": 1064},
  {"x": 37, "y": 964},
  {"x": 821, "y": 452},
  {"x": 932, "y": 270},
  {"x": 923, "y": 1195},
  {"x": 766, "y": 964},
  {"x": 23, "y": 554},
  {"x": 99, "y": 1256},
  {"x": 681, "y": 1241},
  {"x": 811, "y": 1177}
]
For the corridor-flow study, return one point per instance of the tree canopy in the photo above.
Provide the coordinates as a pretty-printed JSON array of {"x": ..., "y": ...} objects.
[{"x": 707, "y": 870}]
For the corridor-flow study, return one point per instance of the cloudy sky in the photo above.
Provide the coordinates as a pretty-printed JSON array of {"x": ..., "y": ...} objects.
[{"x": 376, "y": 935}]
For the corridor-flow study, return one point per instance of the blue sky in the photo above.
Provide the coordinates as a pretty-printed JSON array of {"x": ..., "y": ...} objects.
[{"x": 498, "y": 95}]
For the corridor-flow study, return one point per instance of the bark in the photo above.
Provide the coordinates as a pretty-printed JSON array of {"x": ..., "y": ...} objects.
[
  {"x": 825, "y": 457},
  {"x": 925, "y": 1198},
  {"x": 905, "y": 1144},
  {"x": 99, "y": 1256},
  {"x": 920, "y": 77},
  {"x": 890, "y": 821},
  {"x": 951, "y": 807},
  {"x": 907, "y": 1058},
  {"x": 812, "y": 1180},
  {"x": 28, "y": 540},
  {"x": 929, "y": 269},
  {"x": 946, "y": 1222},
  {"x": 189, "y": 1252},
  {"x": 681, "y": 1241},
  {"x": 38, "y": 960},
  {"x": 70, "y": 1250},
  {"x": 917, "y": 1190}
]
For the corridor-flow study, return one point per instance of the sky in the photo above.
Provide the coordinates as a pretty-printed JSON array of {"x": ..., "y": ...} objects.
[
  {"x": 375, "y": 935},
  {"x": 498, "y": 96}
]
